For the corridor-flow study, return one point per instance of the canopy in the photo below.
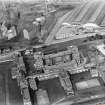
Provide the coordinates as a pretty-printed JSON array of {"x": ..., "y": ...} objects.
[
  {"x": 66, "y": 24},
  {"x": 90, "y": 25}
]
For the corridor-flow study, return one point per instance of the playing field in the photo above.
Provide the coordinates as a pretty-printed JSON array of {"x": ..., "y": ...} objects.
[{"x": 87, "y": 84}]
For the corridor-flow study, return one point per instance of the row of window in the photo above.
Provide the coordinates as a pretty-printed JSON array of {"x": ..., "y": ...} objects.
[
  {"x": 5, "y": 51},
  {"x": 59, "y": 59}
]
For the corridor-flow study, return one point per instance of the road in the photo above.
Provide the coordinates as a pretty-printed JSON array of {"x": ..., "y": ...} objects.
[
  {"x": 58, "y": 24},
  {"x": 93, "y": 11}
]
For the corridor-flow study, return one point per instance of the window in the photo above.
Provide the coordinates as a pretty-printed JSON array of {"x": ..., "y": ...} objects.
[
  {"x": 58, "y": 60},
  {"x": 67, "y": 58},
  {"x": 48, "y": 62}
]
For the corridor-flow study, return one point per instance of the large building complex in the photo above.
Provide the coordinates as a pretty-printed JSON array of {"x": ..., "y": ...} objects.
[{"x": 64, "y": 66}]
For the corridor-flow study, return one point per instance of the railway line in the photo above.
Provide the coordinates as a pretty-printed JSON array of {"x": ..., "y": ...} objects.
[
  {"x": 90, "y": 12},
  {"x": 80, "y": 16},
  {"x": 87, "y": 12}
]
